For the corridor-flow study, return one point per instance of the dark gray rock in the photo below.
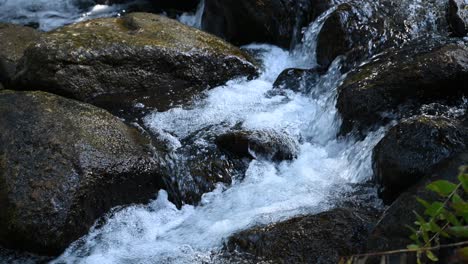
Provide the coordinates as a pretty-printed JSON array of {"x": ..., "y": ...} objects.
[
  {"x": 390, "y": 232},
  {"x": 64, "y": 164},
  {"x": 297, "y": 80},
  {"x": 276, "y": 21},
  {"x": 259, "y": 143},
  {"x": 141, "y": 57},
  {"x": 321, "y": 238},
  {"x": 14, "y": 41},
  {"x": 361, "y": 28},
  {"x": 457, "y": 17},
  {"x": 403, "y": 79},
  {"x": 411, "y": 150}
]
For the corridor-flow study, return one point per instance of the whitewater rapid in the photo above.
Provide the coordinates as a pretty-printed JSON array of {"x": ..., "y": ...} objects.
[{"x": 323, "y": 173}]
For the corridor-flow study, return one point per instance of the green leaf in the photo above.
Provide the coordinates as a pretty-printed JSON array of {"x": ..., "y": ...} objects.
[
  {"x": 413, "y": 247},
  {"x": 434, "y": 209},
  {"x": 424, "y": 203},
  {"x": 431, "y": 256},
  {"x": 459, "y": 231},
  {"x": 442, "y": 187},
  {"x": 463, "y": 178},
  {"x": 451, "y": 218}
]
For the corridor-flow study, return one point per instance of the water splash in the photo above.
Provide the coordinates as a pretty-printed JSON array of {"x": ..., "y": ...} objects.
[
  {"x": 270, "y": 192},
  {"x": 193, "y": 19}
]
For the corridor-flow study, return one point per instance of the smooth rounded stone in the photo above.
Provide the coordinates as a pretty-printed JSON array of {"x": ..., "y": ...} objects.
[
  {"x": 14, "y": 41},
  {"x": 254, "y": 144},
  {"x": 277, "y": 22},
  {"x": 360, "y": 28},
  {"x": 138, "y": 58},
  {"x": 457, "y": 17},
  {"x": 391, "y": 233},
  {"x": 411, "y": 149},
  {"x": 320, "y": 238},
  {"x": 64, "y": 164},
  {"x": 297, "y": 80},
  {"x": 402, "y": 80}
]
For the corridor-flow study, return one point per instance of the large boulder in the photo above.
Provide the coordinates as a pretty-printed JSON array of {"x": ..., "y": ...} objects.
[
  {"x": 403, "y": 79},
  {"x": 277, "y": 22},
  {"x": 412, "y": 149},
  {"x": 64, "y": 164},
  {"x": 14, "y": 41},
  {"x": 361, "y": 28},
  {"x": 321, "y": 238},
  {"x": 457, "y": 17},
  {"x": 141, "y": 57}
]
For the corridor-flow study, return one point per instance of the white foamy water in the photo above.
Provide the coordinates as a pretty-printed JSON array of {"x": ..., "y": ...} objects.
[
  {"x": 270, "y": 192},
  {"x": 193, "y": 19}
]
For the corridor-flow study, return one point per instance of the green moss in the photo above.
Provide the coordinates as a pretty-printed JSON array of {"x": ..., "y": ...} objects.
[{"x": 143, "y": 30}]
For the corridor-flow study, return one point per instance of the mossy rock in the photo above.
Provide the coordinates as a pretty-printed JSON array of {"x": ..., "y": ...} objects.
[
  {"x": 64, "y": 164},
  {"x": 14, "y": 41},
  {"x": 140, "y": 57},
  {"x": 423, "y": 72}
]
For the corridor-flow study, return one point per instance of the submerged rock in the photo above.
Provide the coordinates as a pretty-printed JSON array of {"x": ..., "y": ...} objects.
[
  {"x": 276, "y": 21},
  {"x": 64, "y": 164},
  {"x": 259, "y": 143},
  {"x": 14, "y": 41},
  {"x": 403, "y": 79},
  {"x": 140, "y": 57},
  {"x": 458, "y": 17},
  {"x": 320, "y": 238},
  {"x": 411, "y": 150}
]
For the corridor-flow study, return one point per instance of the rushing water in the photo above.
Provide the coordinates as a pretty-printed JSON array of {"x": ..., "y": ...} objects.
[{"x": 270, "y": 191}]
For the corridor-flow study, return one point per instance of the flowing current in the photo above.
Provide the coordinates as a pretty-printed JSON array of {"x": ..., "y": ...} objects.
[{"x": 325, "y": 170}]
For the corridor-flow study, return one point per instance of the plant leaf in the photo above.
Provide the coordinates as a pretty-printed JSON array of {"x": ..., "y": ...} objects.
[
  {"x": 442, "y": 187},
  {"x": 459, "y": 231}
]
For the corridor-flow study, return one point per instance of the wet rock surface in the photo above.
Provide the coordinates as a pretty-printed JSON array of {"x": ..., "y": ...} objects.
[
  {"x": 259, "y": 143},
  {"x": 389, "y": 233},
  {"x": 396, "y": 82},
  {"x": 64, "y": 164},
  {"x": 359, "y": 29},
  {"x": 140, "y": 57},
  {"x": 320, "y": 238},
  {"x": 410, "y": 151},
  {"x": 14, "y": 41},
  {"x": 277, "y": 21},
  {"x": 298, "y": 80},
  {"x": 457, "y": 17}
]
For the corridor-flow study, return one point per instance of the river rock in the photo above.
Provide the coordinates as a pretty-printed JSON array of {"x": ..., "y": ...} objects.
[
  {"x": 321, "y": 238},
  {"x": 458, "y": 17},
  {"x": 390, "y": 232},
  {"x": 361, "y": 28},
  {"x": 403, "y": 79},
  {"x": 196, "y": 165},
  {"x": 139, "y": 58},
  {"x": 297, "y": 80},
  {"x": 14, "y": 41},
  {"x": 412, "y": 149},
  {"x": 259, "y": 143},
  {"x": 277, "y": 22},
  {"x": 64, "y": 164}
]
